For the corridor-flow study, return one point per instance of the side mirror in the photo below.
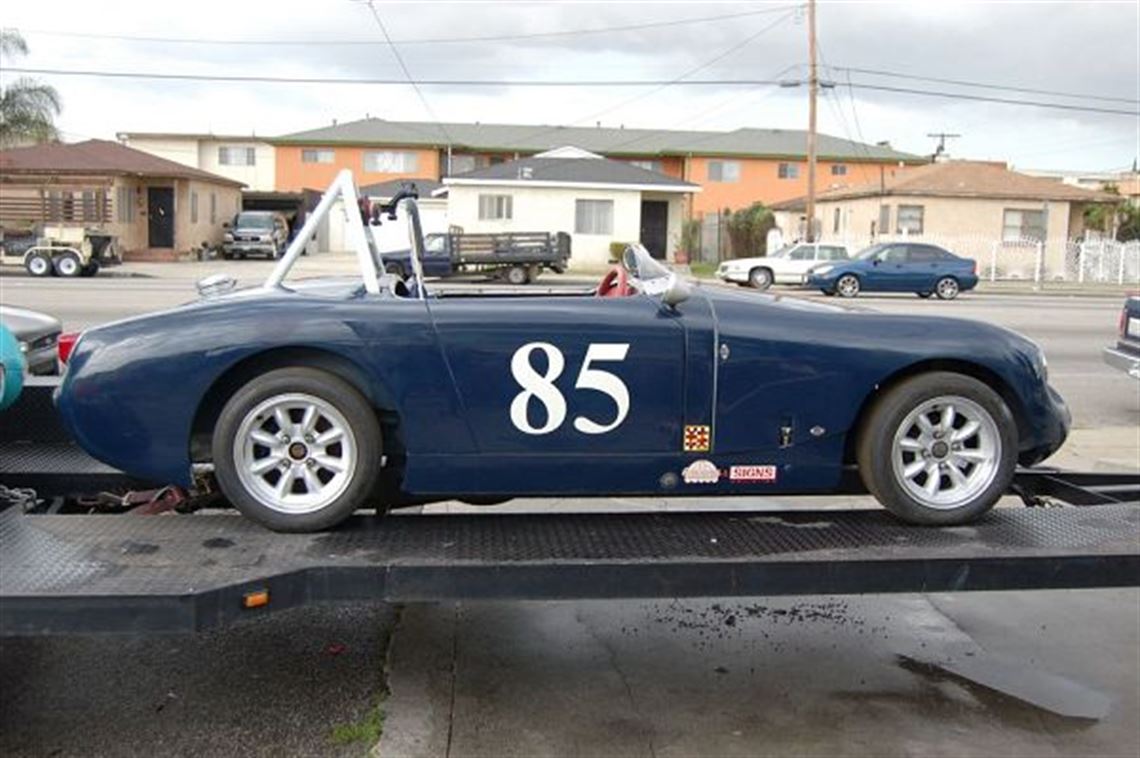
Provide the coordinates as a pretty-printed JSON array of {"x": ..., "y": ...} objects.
[
  {"x": 876, "y": 262},
  {"x": 676, "y": 291}
]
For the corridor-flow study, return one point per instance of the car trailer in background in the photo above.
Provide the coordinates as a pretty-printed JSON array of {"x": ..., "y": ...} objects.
[{"x": 64, "y": 572}]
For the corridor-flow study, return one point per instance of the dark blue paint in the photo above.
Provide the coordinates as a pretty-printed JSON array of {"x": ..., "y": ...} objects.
[
  {"x": 443, "y": 365},
  {"x": 899, "y": 267}
]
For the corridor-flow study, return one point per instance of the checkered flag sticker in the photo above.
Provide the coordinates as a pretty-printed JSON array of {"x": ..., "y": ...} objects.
[{"x": 697, "y": 439}]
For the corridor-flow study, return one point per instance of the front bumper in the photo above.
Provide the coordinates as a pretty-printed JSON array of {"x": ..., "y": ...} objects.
[
  {"x": 1051, "y": 421},
  {"x": 732, "y": 275},
  {"x": 822, "y": 281},
  {"x": 257, "y": 248},
  {"x": 1123, "y": 359}
]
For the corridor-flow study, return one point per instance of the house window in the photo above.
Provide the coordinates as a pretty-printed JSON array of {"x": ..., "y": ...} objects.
[
  {"x": 213, "y": 208},
  {"x": 124, "y": 205},
  {"x": 1020, "y": 224},
  {"x": 652, "y": 165},
  {"x": 910, "y": 219},
  {"x": 724, "y": 171},
  {"x": 593, "y": 216},
  {"x": 495, "y": 207},
  {"x": 316, "y": 155},
  {"x": 390, "y": 162},
  {"x": 788, "y": 171},
  {"x": 91, "y": 205},
  {"x": 884, "y": 219},
  {"x": 835, "y": 224},
  {"x": 838, "y": 169},
  {"x": 461, "y": 164},
  {"x": 236, "y": 156},
  {"x": 193, "y": 207}
]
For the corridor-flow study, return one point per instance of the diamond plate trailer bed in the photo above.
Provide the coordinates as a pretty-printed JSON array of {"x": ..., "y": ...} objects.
[{"x": 179, "y": 573}]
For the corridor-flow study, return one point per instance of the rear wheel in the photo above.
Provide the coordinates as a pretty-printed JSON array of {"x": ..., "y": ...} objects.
[
  {"x": 848, "y": 285},
  {"x": 68, "y": 264},
  {"x": 947, "y": 288},
  {"x": 297, "y": 449},
  {"x": 516, "y": 275},
  {"x": 940, "y": 448},
  {"x": 38, "y": 264},
  {"x": 760, "y": 278}
]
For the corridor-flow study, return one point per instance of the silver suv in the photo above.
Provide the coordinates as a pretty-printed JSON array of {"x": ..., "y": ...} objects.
[{"x": 256, "y": 233}]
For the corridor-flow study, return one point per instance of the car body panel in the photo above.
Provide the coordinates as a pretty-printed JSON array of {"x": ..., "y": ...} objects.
[
  {"x": 790, "y": 266},
  {"x": 1125, "y": 355},
  {"x": 899, "y": 267},
  {"x": 11, "y": 368},
  {"x": 768, "y": 381},
  {"x": 38, "y": 335}
]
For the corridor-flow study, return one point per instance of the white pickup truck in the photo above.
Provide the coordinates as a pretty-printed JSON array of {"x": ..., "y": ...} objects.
[{"x": 788, "y": 265}]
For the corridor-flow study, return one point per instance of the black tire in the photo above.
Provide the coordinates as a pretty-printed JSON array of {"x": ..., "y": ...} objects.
[
  {"x": 947, "y": 288},
  {"x": 68, "y": 264},
  {"x": 848, "y": 285},
  {"x": 241, "y": 256},
  {"x": 227, "y": 256},
  {"x": 760, "y": 278},
  {"x": 332, "y": 390},
  {"x": 516, "y": 275},
  {"x": 875, "y": 447},
  {"x": 924, "y": 295},
  {"x": 39, "y": 264},
  {"x": 91, "y": 269}
]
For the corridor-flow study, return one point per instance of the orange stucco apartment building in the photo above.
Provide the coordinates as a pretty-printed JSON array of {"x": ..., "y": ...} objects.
[{"x": 734, "y": 169}]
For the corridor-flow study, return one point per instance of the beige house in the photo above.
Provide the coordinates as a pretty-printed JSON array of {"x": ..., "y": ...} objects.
[
  {"x": 975, "y": 208},
  {"x": 158, "y": 209},
  {"x": 246, "y": 159},
  {"x": 596, "y": 200}
]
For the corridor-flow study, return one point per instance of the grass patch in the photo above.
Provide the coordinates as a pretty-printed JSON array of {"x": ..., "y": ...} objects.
[
  {"x": 703, "y": 269},
  {"x": 367, "y": 730}
]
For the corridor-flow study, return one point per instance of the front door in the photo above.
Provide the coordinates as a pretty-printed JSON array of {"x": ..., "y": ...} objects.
[
  {"x": 655, "y": 227},
  {"x": 889, "y": 271},
  {"x": 160, "y": 216}
]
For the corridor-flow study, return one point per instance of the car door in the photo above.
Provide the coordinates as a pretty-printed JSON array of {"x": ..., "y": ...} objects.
[
  {"x": 796, "y": 264},
  {"x": 887, "y": 272},
  {"x": 562, "y": 394},
  {"x": 923, "y": 263}
]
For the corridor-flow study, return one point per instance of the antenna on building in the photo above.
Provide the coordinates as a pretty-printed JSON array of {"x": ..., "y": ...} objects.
[{"x": 940, "y": 153}]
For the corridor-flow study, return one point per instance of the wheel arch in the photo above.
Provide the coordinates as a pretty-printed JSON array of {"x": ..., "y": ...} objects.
[
  {"x": 953, "y": 365},
  {"x": 245, "y": 370}
]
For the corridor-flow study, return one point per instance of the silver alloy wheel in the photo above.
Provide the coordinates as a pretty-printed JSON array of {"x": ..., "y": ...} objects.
[
  {"x": 295, "y": 453},
  {"x": 946, "y": 452},
  {"x": 760, "y": 278},
  {"x": 38, "y": 265},
  {"x": 848, "y": 285},
  {"x": 947, "y": 288}
]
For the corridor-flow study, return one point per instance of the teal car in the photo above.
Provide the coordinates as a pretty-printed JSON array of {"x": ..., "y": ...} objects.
[{"x": 11, "y": 368}]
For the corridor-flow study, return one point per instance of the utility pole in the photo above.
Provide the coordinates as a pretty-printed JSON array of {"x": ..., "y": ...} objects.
[
  {"x": 941, "y": 137},
  {"x": 813, "y": 91}
]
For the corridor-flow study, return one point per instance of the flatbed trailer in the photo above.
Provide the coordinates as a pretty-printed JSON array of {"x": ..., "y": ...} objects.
[{"x": 66, "y": 573}]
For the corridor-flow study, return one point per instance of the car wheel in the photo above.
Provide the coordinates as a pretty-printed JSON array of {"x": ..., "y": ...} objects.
[
  {"x": 38, "y": 264},
  {"x": 68, "y": 264},
  {"x": 760, "y": 278},
  {"x": 227, "y": 256},
  {"x": 516, "y": 275},
  {"x": 848, "y": 285},
  {"x": 940, "y": 448},
  {"x": 91, "y": 269},
  {"x": 297, "y": 450},
  {"x": 947, "y": 288}
]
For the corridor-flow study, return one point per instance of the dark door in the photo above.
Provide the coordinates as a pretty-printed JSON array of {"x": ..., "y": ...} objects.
[
  {"x": 655, "y": 226},
  {"x": 160, "y": 216}
]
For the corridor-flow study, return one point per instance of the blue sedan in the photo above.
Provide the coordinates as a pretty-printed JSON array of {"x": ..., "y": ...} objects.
[
  {"x": 305, "y": 402},
  {"x": 898, "y": 267}
]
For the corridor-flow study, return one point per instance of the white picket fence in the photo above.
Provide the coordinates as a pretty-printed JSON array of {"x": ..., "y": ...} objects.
[{"x": 1093, "y": 262}]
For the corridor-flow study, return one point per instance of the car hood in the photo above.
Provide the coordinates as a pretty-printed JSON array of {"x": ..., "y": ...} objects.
[
  {"x": 27, "y": 324},
  {"x": 718, "y": 294}
]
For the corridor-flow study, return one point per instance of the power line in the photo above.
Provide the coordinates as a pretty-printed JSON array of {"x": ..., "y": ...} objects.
[
  {"x": 549, "y": 83},
  {"x": 984, "y": 85},
  {"x": 408, "y": 74},
  {"x": 416, "y": 41}
]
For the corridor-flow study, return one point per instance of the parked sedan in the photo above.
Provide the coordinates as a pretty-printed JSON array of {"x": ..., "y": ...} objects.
[
  {"x": 920, "y": 268},
  {"x": 38, "y": 335},
  {"x": 1126, "y": 355},
  {"x": 788, "y": 265},
  {"x": 256, "y": 233}
]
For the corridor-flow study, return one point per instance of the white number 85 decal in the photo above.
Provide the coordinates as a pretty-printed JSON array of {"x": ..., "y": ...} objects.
[{"x": 541, "y": 387}]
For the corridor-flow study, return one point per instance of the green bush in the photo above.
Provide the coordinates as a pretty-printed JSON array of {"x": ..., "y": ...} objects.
[{"x": 748, "y": 230}]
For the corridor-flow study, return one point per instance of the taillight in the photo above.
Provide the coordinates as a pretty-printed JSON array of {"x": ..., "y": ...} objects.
[{"x": 66, "y": 345}]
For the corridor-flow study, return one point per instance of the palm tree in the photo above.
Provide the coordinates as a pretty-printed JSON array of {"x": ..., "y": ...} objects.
[{"x": 27, "y": 107}]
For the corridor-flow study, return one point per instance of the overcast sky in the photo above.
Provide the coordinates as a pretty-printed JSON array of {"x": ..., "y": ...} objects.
[{"x": 1082, "y": 47}]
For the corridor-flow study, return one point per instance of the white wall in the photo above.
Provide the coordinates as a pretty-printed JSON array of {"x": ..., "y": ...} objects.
[
  {"x": 202, "y": 153},
  {"x": 551, "y": 209}
]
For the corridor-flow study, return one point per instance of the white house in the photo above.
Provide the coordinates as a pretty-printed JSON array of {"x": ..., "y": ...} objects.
[
  {"x": 243, "y": 158},
  {"x": 596, "y": 200}
]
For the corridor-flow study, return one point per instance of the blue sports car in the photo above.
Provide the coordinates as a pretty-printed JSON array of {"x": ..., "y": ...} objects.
[
  {"x": 898, "y": 267},
  {"x": 305, "y": 402}
]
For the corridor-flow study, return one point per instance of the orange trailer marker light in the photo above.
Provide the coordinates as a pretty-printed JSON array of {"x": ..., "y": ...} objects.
[{"x": 255, "y": 599}]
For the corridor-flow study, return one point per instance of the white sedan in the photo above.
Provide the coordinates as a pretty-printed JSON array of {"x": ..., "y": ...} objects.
[{"x": 788, "y": 265}]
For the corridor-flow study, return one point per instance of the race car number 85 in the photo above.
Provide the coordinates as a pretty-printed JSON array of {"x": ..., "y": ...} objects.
[{"x": 541, "y": 387}]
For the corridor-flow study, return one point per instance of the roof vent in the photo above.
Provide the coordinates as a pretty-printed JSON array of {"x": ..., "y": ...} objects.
[{"x": 526, "y": 172}]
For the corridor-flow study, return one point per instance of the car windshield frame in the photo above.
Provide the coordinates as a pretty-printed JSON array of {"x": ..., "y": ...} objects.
[{"x": 651, "y": 276}]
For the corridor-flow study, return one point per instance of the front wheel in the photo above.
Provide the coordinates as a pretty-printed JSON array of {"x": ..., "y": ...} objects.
[
  {"x": 848, "y": 285},
  {"x": 947, "y": 288},
  {"x": 940, "y": 448},
  {"x": 516, "y": 275},
  {"x": 760, "y": 278},
  {"x": 297, "y": 450}
]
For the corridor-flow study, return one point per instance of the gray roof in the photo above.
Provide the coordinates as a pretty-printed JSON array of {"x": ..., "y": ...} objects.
[
  {"x": 769, "y": 143},
  {"x": 578, "y": 170},
  {"x": 389, "y": 188}
]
